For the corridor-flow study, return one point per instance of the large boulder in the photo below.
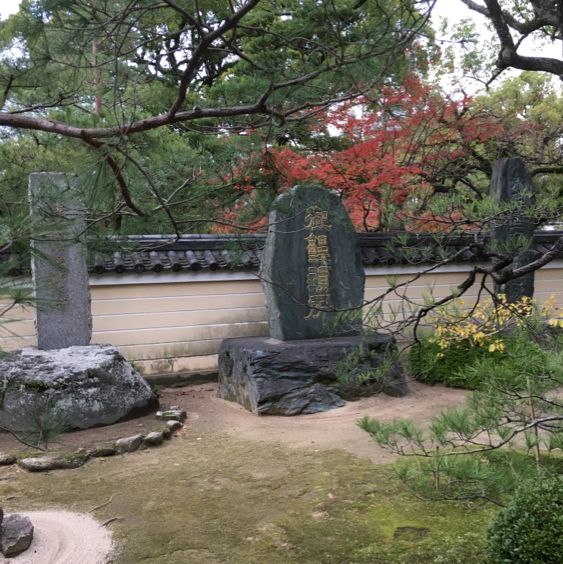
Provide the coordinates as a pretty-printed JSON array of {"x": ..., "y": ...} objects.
[
  {"x": 273, "y": 377},
  {"x": 76, "y": 388}
]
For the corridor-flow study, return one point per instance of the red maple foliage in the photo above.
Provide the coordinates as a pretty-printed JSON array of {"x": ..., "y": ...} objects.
[{"x": 402, "y": 149}]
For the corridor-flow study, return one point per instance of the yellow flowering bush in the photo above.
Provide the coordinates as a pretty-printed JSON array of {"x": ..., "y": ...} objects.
[
  {"x": 498, "y": 332},
  {"x": 550, "y": 312},
  {"x": 483, "y": 325}
]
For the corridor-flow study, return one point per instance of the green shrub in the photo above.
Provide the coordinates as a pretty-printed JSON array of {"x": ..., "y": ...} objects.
[
  {"x": 468, "y": 347},
  {"x": 39, "y": 423},
  {"x": 523, "y": 365},
  {"x": 471, "y": 367},
  {"x": 530, "y": 529},
  {"x": 426, "y": 364}
]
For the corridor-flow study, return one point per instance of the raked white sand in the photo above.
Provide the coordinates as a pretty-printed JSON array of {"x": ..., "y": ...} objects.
[{"x": 61, "y": 537}]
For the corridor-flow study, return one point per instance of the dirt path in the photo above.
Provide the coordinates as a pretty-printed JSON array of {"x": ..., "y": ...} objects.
[{"x": 336, "y": 429}]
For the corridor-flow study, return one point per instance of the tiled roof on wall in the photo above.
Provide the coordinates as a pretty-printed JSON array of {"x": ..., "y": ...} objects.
[
  {"x": 163, "y": 253},
  {"x": 160, "y": 253},
  {"x": 238, "y": 252}
]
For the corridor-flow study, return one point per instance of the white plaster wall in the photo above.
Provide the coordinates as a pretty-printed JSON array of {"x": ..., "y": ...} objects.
[{"x": 175, "y": 322}]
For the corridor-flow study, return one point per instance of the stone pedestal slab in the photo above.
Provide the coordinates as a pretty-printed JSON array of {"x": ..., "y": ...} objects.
[{"x": 274, "y": 377}]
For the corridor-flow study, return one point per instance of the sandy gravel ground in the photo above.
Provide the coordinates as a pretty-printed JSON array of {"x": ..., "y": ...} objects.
[
  {"x": 61, "y": 537},
  {"x": 335, "y": 429}
]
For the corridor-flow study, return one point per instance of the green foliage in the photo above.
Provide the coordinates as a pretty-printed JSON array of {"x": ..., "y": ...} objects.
[
  {"x": 39, "y": 424},
  {"x": 501, "y": 342},
  {"x": 349, "y": 373},
  {"x": 450, "y": 369},
  {"x": 110, "y": 64},
  {"x": 530, "y": 529},
  {"x": 451, "y": 548},
  {"x": 364, "y": 374},
  {"x": 471, "y": 367},
  {"x": 491, "y": 477},
  {"x": 522, "y": 359},
  {"x": 509, "y": 429}
]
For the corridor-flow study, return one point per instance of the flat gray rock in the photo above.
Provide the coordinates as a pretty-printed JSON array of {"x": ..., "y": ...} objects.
[
  {"x": 174, "y": 425},
  {"x": 102, "y": 451},
  {"x": 46, "y": 463},
  {"x": 38, "y": 463},
  {"x": 155, "y": 438},
  {"x": 7, "y": 459},
  {"x": 273, "y": 377},
  {"x": 173, "y": 413},
  {"x": 16, "y": 534},
  {"x": 76, "y": 387}
]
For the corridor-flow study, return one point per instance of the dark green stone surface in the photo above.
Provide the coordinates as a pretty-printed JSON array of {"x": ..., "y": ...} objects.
[
  {"x": 272, "y": 377},
  {"x": 511, "y": 182},
  {"x": 286, "y": 264}
]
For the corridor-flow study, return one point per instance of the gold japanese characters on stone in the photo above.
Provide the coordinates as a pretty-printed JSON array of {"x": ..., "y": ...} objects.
[{"x": 318, "y": 260}]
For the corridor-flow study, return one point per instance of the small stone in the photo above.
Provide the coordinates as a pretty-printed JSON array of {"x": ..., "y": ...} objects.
[
  {"x": 17, "y": 534},
  {"x": 37, "y": 463},
  {"x": 166, "y": 433},
  {"x": 45, "y": 463},
  {"x": 174, "y": 425},
  {"x": 155, "y": 438},
  {"x": 103, "y": 451},
  {"x": 7, "y": 459},
  {"x": 73, "y": 460},
  {"x": 128, "y": 444},
  {"x": 176, "y": 414}
]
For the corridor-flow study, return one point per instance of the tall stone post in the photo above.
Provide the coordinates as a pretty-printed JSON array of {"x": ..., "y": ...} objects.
[
  {"x": 511, "y": 182},
  {"x": 59, "y": 269}
]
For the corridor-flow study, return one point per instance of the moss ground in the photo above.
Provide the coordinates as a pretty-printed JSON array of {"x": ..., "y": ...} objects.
[{"x": 215, "y": 499}]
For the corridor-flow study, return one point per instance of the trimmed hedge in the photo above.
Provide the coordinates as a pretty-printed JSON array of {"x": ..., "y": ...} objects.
[{"x": 530, "y": 529}]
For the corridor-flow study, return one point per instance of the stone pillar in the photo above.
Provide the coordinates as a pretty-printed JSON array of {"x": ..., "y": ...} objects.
[
  {"x": 511, "y": 182},
  {"x": 59, "y": 269}
]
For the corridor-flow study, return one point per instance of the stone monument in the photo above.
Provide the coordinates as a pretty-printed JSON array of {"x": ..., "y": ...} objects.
[
  {"x": 511, "y": 182},
  {"x": 313, "y": 280},
  {"x": 312, "y": 270}
]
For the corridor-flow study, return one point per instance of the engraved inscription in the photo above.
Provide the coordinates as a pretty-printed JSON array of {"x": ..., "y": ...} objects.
[{"x": 318, "y": 260}]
